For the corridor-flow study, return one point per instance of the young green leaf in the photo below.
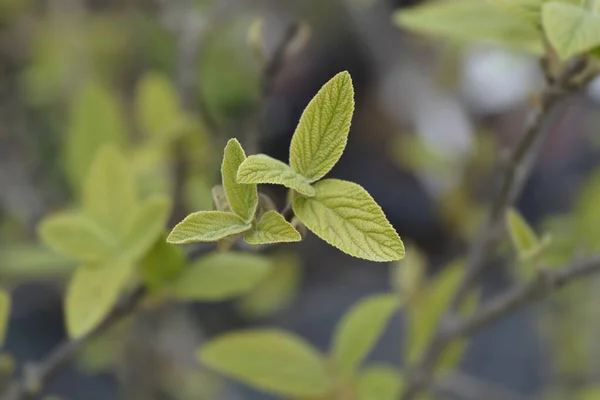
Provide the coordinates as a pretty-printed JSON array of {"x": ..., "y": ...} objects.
[
  {"x": 271, "y": 360},
  {"x": 272, "y": 228},
  {"x": 109, "y": 193},
  {"x": 359, "y": 330},
  {"x": 522, "y": 235},
  {"x": 145, "y": 225},
  {"x": 276, "y": 290},
  {"x": 571, "y": 29},
  {"x": 322, "y": 133},
  {"x": 344, "y": 215},
  {"x": 162, "y": 264},
  {"x": 379, "y": 382},
  {"x": 242, "y": 198},
  {"x": 261, "y": 168},
  {"x": 408, "y": 274},
  {"x": 425, "y": 311},
  {"x": 207, "y": 226},
  {"x": 529, "y": 11},
  {"x": 220, "y": 199},
  {"x": 219, "y": 276},
  {"x": 95, "y": 119},
  {"x": 440, "y": 18},
  {"x": 92, "y": 292},
  {"x": 157, "y": 107},
  {"x": 77, "y": 236},
  {"x": 5, "y": 303}
]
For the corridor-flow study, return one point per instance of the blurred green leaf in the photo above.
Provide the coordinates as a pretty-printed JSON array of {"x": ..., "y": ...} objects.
[
  {"x": 425, "y": 311},
  {"x": 359, "y": 329},
  {"x": 261, "y": 168},
  {"x": 571, "y": 29},
  {"x": 522, "y": 235},
  {"x": 29, "y": 261},
  {"x": 5, "y": 304},
  {"x": 587, "y": 214},
  {"x": 109, "y": 193},
  {"x": 162, "y": 264},
  {"x": 528, "y": 10},
  {"x": 270, "y": 360},
  {"x": 243, "y": 199},
  {"x": 461, "y": 20},
  {"x": 379, "y": 382},
  {"x": 344, "y": 215},
  {"x": 207, "y": 226},
  {"x": 272, "y": 228},
  {"x": 219, "y": 197},
  {"x": 95, "y": 120},
  {"x": 219, "y": 276},
  {"x": 408, "y": 273},
  {"x": 145, "y": 225},
  {"x": 77, "y": 236},
  {"x": 592, "y": 393},
  {"x": 276, "y": 290},
  {"x": 157, "y": 107},
  {"x": 92, "y": 293},
  {"x": 322, "y": 133}
]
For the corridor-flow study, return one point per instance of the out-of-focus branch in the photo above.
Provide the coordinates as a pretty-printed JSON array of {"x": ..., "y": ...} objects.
[{"x": 514, "y": 177}]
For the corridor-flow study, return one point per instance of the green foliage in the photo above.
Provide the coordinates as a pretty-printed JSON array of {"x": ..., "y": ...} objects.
[
  {"x": 27, "y": 261},
  {"x": 5, "y": 303},
  {"x": 408, "y": 274},
  {"x": 92, "y": 293},
  {"x": 207, "y": 226},
  {"x": 528, "y": 10},
  {"x": 109, "y": 193},
  {"x": 219, "y": 276},
  {"x": 359, "y": 330},
  {"x": 461, "y": 20},
  {"x": 144, "y": 225},
  {"x": 379, "y": 382},
  {"x": 157, "y": 109},
  {"x": 162, "y": 264},
  {"x": 322, "y": 132},
  {"x": 341, "y": 213},
  {"x": 425, "y": 311},
  {"x": 571, "y": 29},
  {"x": 276, "y": 290},
  {"x": 269, "y": 359},
  {"x": 243, "y": 199},
  {"x": 523, "y": 237},
  {"x": 95, "y": 120},
  {"x": 346, "y": 216},
  {"x": 264, "y": 169},
  {"x": 272, "y": 228},
  {"x": 78, "y": 236}
]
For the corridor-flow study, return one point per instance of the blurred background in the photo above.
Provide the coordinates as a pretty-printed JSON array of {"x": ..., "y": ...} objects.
[{"x": 170, "y": 81}]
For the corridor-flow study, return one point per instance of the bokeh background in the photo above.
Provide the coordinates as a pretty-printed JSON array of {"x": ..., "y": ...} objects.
[{"x": 171, "y": 80}]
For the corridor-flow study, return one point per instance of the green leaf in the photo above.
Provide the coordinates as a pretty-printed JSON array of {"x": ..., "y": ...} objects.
[
  {"x": 32, "y": 261},
  {"x": 145, "y": 225},
  {"x": 441, "y": 18},
  {"x": 408, "y": 274},
  {"x": 92, "y": 293},
  {"x": 276, "y": 290},
  {"x": 261, "y": 168},
  {"x": 157, "y": 107},
  {"x": 109, "y": 193},
  {"x": 344, "y": 215},
  {"x": 322, "y": 133},
  {"x": 528, "y": 10},
  {"x": 162, "y": 264},
  {"x": 379, "y": 382},
  {"x": 95, "y": 119},
  {"x": 77, "y": 236},
  {"x": 522, "y": 235},
  {"x": 272, "y": 228},
  {"x": 220, "y": 276},
  {"x": 242, "y": 198},
  {"x": 359, "y": 330},
  {"x": 207, "y": 226},
  {"x": 271, "y": 360},
  {"x": 571, "y": 29},
  {"x": 5, "y": 303}
]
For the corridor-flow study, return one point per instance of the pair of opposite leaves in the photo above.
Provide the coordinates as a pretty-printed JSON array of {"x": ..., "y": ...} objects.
[{"x": 341, "y": 213}]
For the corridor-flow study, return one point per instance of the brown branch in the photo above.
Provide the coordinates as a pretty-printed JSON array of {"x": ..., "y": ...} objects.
[{"x": 514, "y": 177}]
